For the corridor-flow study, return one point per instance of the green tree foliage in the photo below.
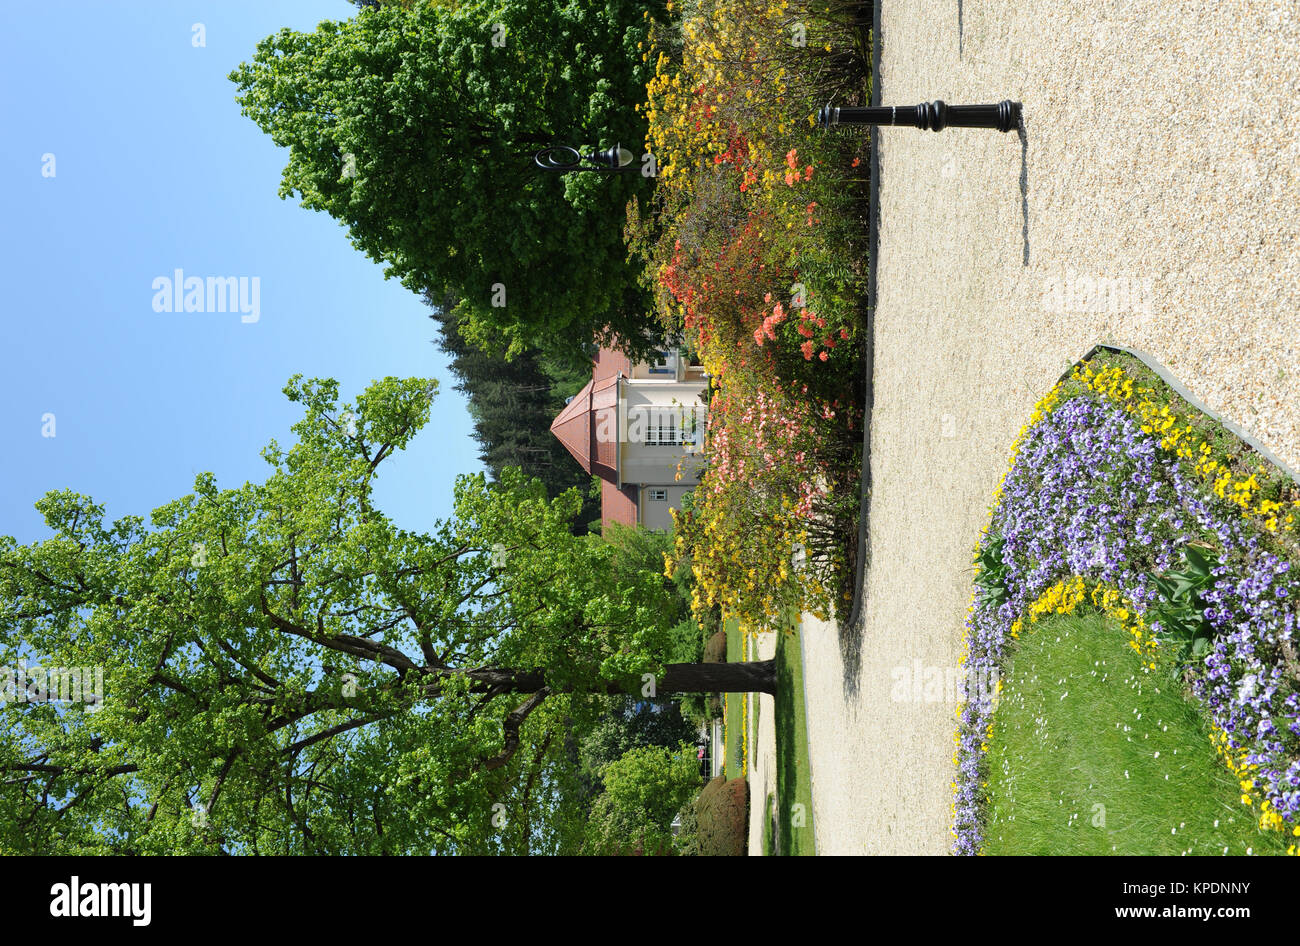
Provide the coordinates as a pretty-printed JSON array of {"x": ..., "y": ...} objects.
[
  {"x": 632, "y": 724},
  {"x": 417, "y": 127},
  {"x": 286, "y": 671},
  {"x": 644, "y": 789},
  {"x": 638, "y": 549}
]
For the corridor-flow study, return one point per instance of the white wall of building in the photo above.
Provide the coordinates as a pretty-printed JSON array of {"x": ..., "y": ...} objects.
[
  {"x": 654, "y": 512},
  {"x": 649, "y": 403}
]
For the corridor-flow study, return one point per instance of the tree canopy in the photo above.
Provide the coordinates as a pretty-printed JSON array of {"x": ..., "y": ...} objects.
[
  {"x": 416, "y": 128},
  {"x": 644, "y": 789},
  {"x": 287, "y": 671}
]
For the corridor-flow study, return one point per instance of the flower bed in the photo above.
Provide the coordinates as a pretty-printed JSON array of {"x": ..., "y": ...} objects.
[
  {"x": 755, "y": 251},
  {"x": 1121, "y": 499}
]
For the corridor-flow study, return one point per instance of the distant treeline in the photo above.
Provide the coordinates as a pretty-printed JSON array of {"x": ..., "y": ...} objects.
[{"x": 513, "y": 404}]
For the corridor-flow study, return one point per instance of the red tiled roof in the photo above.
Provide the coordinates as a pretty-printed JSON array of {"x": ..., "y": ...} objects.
[
  {"x": 573, "y": 427},
  {"x": 588, "y": 429},
  {"x": 609, "y": 363},
  {"x": 617, "y": 505},
  {"x": 588, "y": 425},
  {"x": 604, "y": 419}
]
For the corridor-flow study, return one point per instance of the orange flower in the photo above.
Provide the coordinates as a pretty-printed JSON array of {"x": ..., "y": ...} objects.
[
  {"x": 807, "y": 173},
  {"x": 792, "y": 157}
]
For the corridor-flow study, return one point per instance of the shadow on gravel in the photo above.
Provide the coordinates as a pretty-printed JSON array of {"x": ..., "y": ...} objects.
[{"x": 1024, "y": 188}]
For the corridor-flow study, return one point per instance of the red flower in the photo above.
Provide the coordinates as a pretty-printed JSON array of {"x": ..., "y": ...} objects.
[{"x": 822, "y": 356}]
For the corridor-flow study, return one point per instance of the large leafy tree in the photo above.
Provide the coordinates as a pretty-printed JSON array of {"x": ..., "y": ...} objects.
[
  {"x": 287, "y": 671},
  {"x": 417, "y": 127}
]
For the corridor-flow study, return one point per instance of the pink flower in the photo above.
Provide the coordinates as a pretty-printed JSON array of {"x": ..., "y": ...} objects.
[
  {"x": 822, "y": 356},
  {"x": 807, "y": 349}
]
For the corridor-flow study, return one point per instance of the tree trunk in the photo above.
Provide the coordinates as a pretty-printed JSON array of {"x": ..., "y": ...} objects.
[{"x": 757, "y": 676}]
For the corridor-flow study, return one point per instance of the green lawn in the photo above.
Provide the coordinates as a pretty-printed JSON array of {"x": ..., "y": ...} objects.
[
  {"x": 734, "y": 705},
  {"x": 787, "y": 828},
  {"x": 1090, "y": 755},
  {"x": 792, "y": 834}
]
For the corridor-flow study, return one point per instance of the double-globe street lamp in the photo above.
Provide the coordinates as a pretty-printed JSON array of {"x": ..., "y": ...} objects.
[{"x": 564, "y": 158}]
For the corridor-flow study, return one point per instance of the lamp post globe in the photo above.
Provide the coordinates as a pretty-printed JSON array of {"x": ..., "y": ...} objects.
[
  {"x": 563, "y": 158},
  {"x": 615, "y": 158}
]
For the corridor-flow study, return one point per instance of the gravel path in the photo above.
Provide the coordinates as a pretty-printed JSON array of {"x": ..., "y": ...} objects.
[{"x": 1161, "y": 156}]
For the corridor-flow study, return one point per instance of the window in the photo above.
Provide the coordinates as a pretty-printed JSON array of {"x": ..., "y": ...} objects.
[
  {"x": 659, "y": 495},
  {"x": 676, "y": 426},
  {"x": 663, "y": 364},
  {"x": 662, "y": 431}
]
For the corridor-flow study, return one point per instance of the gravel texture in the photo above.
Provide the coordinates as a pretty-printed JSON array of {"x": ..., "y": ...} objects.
[{"x": 1160, "y": 156}]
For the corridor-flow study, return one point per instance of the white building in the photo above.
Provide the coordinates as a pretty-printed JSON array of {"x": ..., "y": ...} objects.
[{"x": 640, "y": 428}]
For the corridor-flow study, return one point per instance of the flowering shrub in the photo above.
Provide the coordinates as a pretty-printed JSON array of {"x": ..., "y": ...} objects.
[
  {"x": 770, "y": 487},
  {"x": 755, "y": 251},
  {"x": 1103, "y": 503}
]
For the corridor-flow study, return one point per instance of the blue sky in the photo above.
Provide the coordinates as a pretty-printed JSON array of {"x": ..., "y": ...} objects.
[{"x": 156, "y": 170}]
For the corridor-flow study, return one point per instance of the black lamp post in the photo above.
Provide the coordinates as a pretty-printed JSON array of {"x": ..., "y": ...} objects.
[
  {"x": 563, "y": 158},
  {"x": 936, "y": 115}
]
